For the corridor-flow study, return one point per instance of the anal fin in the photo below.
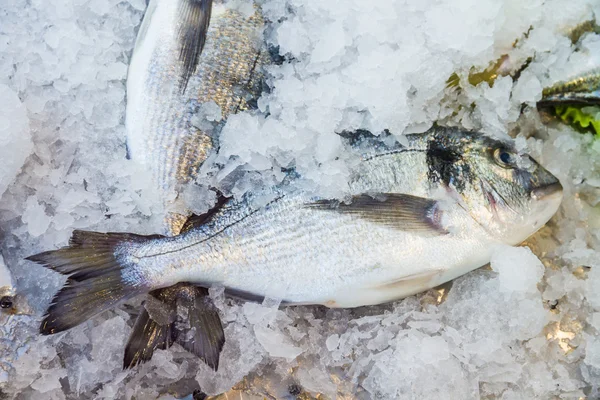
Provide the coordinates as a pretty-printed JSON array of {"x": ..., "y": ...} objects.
[{"x": 194, "y": 220}]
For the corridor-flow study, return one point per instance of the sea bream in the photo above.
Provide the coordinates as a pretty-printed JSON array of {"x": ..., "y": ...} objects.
[
  {"x": 188, "y": 54},
  {"x": 575, "y": 101},
  {"x": 413, "y": 217}
]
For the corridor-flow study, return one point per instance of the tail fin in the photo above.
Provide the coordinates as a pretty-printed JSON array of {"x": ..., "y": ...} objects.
[
  {"x": 147, "y": 336},
  {"x": 201, "y": 332},
  {"x": 182, "y": 314},
  {"x": 94, "y": 284}
]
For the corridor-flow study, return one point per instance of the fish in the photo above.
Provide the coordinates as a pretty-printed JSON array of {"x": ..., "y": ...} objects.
[
  {"x": 575, "y": 101},
  {"x": 166, "y": 91},
  {"x": 7, "y": 289},
  {"x": 414, "y": 216},
  {"x": 188, "y": 53},
  {"x": 583, "y": 89}
]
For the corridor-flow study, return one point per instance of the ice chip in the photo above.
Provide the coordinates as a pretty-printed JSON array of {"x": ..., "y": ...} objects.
[{"x": 518, "y": 268}]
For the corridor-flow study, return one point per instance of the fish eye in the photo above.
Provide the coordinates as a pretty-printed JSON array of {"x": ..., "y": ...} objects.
[
  {"x": 504, "y": 158},
  {"x": 6, "y": 302}
]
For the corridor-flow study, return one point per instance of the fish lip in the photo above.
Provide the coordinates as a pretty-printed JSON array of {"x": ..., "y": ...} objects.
[{"x": 545, "y": 191}]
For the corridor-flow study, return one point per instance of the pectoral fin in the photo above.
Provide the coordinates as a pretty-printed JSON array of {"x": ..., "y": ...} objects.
[{"x": 400, "y": 211}]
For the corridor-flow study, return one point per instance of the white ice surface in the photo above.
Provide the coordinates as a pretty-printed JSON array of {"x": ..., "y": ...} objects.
[{"x": 526, "y": 329}]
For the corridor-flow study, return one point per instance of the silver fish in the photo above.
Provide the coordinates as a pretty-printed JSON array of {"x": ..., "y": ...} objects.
[
  {"x": 165, "y": 90},
  {"x": 188, "y": 52},
  {"x": 415, "y": 216},
  {"x": 575, "y": 101},
  {"x": 580, "y": 90}
]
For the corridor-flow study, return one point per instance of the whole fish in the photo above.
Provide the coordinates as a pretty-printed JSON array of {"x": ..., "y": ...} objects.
[
  {"x": 415, "y": 216},
  {"x": 188, "y": 53}
]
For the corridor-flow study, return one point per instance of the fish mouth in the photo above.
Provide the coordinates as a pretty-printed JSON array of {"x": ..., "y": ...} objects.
[{"x": 543, "y": 192}]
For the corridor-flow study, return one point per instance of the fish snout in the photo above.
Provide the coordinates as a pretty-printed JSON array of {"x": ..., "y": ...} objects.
[{"x": 549, "y": 189}]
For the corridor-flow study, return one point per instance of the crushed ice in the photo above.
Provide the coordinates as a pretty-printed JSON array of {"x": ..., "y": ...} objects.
[{"x": 528, "y": 328}]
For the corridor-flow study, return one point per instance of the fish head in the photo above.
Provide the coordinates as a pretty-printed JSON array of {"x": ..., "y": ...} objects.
[
  {"x": 505, "y": 191},
  {"x": 8, "y": 300}
]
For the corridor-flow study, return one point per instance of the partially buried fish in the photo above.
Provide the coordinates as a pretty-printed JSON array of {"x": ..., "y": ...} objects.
[
  {"x": 180, "y": 63},
  {"x": 575, "y": 101},
  {"x": 7, "y": 288},
  {"x": 188, "y": 53},
  {"x": 415, "y": 216}
]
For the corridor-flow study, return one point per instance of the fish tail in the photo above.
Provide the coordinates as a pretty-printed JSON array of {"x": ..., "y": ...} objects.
[
  {"x": 200, "y": 330},
  {"x": 93, "y": 262},
  {"x": 147, "y": 335},
  {"x": 184, "y": 315}
]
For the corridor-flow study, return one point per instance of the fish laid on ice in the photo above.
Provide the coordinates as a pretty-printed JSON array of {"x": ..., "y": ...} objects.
[
  {"x": 575, "y": 101},
  {"x": 188, "y": 53},
  {"x": 166, "y": 91},
  {"x": 7, "y": 288},
  {"x": 581, "y": 90},
  {"x": 415, "y": 216}
]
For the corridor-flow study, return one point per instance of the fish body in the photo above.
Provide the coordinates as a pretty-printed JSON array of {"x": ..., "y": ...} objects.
[
  {"x": 164, "y": 95},
  {"x": 414, "y": 217},
  {"x": 293, "y": 252}
]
